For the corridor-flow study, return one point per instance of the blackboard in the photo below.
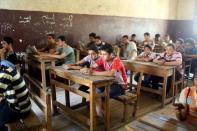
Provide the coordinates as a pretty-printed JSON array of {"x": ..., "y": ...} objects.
[{"x": 31, "y": 27}]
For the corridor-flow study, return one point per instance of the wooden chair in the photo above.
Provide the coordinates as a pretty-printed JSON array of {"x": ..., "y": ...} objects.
[
  {"x": 180, "y": 83},
  {"x": 77, "y": 55},
  {"x": 188, "y": 62},
  {"x": 117, "y": 50},
  {"x": 130, "y": 99}
]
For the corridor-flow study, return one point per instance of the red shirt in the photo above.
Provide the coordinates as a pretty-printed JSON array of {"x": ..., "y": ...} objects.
[{"x": 116, "y": 64}]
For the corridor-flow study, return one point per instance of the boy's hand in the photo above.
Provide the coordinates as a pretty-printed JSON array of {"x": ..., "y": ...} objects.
[
  {"x": 160, "y": 62},
  {"x": 87, "y": 71}
]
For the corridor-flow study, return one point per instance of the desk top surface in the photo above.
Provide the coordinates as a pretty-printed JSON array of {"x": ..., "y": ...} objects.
[
  {"x": 41, "y": 58},
  {"x": 76, "y": 74},
  {"x": 147, "y": 64}
]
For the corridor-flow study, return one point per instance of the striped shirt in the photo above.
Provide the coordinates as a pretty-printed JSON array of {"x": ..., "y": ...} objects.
[
  {"x": 170, "y": 58},
  {"x": 14, "y": 90}
]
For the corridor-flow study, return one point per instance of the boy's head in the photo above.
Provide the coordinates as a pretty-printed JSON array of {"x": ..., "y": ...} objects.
[
  {"x": 125, "y": 39},
  {"x": 51, "y": 38},
  {"x": 133, "y": 36},
  {"x": 61, "y": 40},
  {"x": 146, "y": 35},
  {"x": 170, "y": 48},
  {"x": 167, "y": 37},
  {"x": 93, "y": 51},
  {"x": 157, "y": 36},
  {"x": 179, "y": 43},
  {"x": 92, "y": 37},
  {"x": 147, "y": 49},
  {"x": 97, "y": 40},
  {"x": 190, "y": 43},
  {"x": 106, "y": 52},
  {"x": 7, "y": 42}
]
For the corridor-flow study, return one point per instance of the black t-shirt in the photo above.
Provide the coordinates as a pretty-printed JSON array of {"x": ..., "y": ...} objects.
[{"x": 11, "y": 57}]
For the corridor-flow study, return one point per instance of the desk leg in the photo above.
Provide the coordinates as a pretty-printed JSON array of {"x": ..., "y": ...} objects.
[
  {"x": 92, "y": 108},
  {"x": 43, "y": 75},
  {"x": 107, "y": 108},
  {"x": 173, "y": 82},
  {"x": 53, "y": 92},
  {"x": 67, "y": 98},
  {"x": 164, "y": 91}
]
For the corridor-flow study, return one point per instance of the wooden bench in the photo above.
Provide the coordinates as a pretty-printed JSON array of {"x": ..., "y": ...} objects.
[
  {"x": 128, "y": 99},
  {"x": 30, "y": 123},
  {"x": 42, "y": 99}
]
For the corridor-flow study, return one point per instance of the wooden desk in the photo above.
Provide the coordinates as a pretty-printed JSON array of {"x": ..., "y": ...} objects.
[
  {"x": 153, "y": 69},
  {"x": 42, "y": 63},
  {"x": 92, "y": 82},
  {"x": 158, "y": 122}
]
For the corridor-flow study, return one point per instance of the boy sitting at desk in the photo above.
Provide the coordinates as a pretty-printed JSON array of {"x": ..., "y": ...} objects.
[
  {"x": 64, "y": 53},
  {"x": 14, "y": 99},
  {"x": 129, "y": 49},
  {"x": 145, "y": 56},
  {"x": 186, "y": 109},
  {"x": 113, "y": 67},
  {"x": 87, "y": 61},
  {"x": 51, "y": 45},
  {"x": 169, "y": 58},
  {"x": 191, "y": 51}
]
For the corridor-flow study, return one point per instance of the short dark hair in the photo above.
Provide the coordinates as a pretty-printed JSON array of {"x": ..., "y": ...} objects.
[
  {"x": 180, "y": 40},
  {"x": 62, "y": 38},
  {"x": 133, "y": 35},
  {"x": 126, "y": 36},
  {"x": 8, "y": 40},
  {"x": 171, "y": 45},
  {"x": 92, "y": 35},
  {"x": 98, "y": 37},
  {"x": 148, "y": 46},
  {"x": 107, "y": 47},
  {"x": 146, "y": 33},
  {"x": 191, "y": 41},
  {"x": 92, "y": 47},
  {"x": 157, "y": 35},
  {"x": 52, "y": 35}
]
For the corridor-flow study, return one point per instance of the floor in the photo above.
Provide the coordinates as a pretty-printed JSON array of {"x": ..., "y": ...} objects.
[{"x": 62, "y": 123}]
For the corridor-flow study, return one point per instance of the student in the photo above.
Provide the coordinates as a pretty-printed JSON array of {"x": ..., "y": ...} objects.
[
  {"x": 113, "y": 67},
  {"x": 145, "y": 56},
  {"x": 186, "y": 110},
  {"x": 179, "y": 45},
  {"x": 86, "y": 61},
  {"x": 51, "y": 44},
  {"x": 64, "y": 53},
  {"x": 129, "y": 49},
  {"x": 98, "y": 42},
  {"x": 133, "y": 39},
  {"x": 167, "y": 40},
  {"x": 92, "y": 39},
  {"x": 147, "y": 40},
  {"x": 157, "y": 40},
  {"x": 191, "y": 51},
  {"x": 7, "y": 53},
  {"x": 169, "y": 58},
  {"x": 14, "y": 99}
]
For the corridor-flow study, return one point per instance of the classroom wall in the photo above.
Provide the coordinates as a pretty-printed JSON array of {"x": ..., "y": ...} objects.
[
  {"x": 108, "y": 18},
  {"x": 157, "y": 9}
]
